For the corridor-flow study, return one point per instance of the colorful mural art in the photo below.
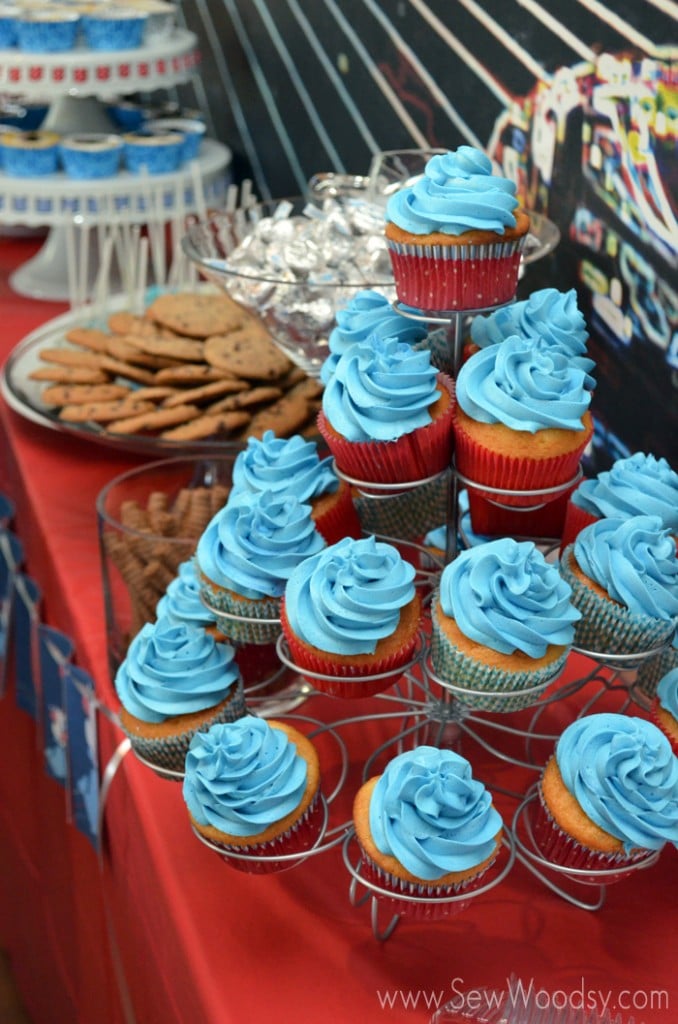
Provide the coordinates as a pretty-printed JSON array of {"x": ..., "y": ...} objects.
[{"x": 576, "y": 100}]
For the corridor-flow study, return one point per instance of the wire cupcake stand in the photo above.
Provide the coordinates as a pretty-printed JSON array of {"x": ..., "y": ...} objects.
[{"x": 514, "y": 731}]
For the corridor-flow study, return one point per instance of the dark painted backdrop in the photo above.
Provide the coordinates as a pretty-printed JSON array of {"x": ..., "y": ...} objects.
[{"x": 576, "y": 99}]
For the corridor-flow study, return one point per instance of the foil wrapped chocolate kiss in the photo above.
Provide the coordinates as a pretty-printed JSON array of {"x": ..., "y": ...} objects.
[{"x": 295, "y": 263}]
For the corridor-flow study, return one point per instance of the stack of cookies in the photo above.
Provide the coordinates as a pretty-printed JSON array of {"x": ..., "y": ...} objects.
[{"x": 193, "y": 366}]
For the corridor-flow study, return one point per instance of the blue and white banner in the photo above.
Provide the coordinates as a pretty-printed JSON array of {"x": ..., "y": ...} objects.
[
  {"x": 83, "y": 757},
  {"x": 56, "y": 650},
  {"x": 26, "y": 616},
  {"x": 11, "y": 559}
]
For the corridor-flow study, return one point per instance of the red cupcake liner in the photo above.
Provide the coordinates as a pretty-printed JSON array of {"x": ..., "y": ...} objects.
[
  {"x": 556, "y": 846},
  {"x": 414, "y": 456},
  {"x": 654, "y": 708},
  {"x": 438, "y": 278},
  {"x": 347, "y": 680},
  {"x": 576, "y": 519},
  {"x": 492, "y": 520},
  {"x": 265, "y": 858},
  {"x": 426, "y": 901},
  {"x": 341, "y": 518},
  {"x": 481, "y": 465}
]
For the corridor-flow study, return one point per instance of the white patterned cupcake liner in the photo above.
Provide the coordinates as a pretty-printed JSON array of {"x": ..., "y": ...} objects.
[
  {"x": 607, "y": 627},
  {"x": 408, "y": 515},
  {"x": 170, "y": 751},
  {"x": 485, "y": 687}
]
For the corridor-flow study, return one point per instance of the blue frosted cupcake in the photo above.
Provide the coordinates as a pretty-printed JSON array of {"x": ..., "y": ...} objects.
[
  {"x": 175, "y": 681},
  {"x": 608, "y": 795},
  {"x": 426, "y": 826},
  {"x": 351, "y": 617},
  {"x": 502, "y": 624},
  {"x": 551, "y": 318},
  {"x": 455, "y": 234},
  {"x": 252, "y": 788},
  {"x": 624, "y": 579},
  {"x": 245, "y": 556},
  {"x": 181, "y": 602},
  {"x": 368, "y": 313},
  {"x": 638, "y": 484},
  {"x": 293, "y": 465}
]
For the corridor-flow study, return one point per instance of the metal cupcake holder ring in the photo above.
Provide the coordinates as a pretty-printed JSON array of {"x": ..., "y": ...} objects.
[
  {"x": 417, "y": 905},
  {"x": 169, "y": 774},
  {"x": 399, "y": 671},
  {"x": 580, "y": 880},
  {"x": 548, "y": 494}
]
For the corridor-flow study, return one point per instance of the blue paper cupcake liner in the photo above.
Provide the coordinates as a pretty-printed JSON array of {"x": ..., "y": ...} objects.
[
  {"x": 607, "y": 627},
  {"x": 486, "y": 687},
  {"x": 408, "y": 515},
  {"x": 170, "y": 751},
  {"x": 654, "y": 668}
]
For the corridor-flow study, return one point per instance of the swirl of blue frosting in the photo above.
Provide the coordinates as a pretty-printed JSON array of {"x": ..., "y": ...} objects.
[
  {"x": 523, "y": 386},
  {"x": 380, "y": 390},
  {"x": 667, "y": 692},
  {"x": 623, "y": 774},
  {"x": 505, "y": 595},
  {"x": 457, "y": 192},
  {"x": 281, "y": 464},
  {"x": 348, "y": 597},
  {"x": 181, "y": 601},
  {"x": 635, "y": 561},
  {"x": 174, "y": 669},
  {"x": 252, "y": 544},
  {"x": 428, "y": 812},
  {"x": 636, "y": 484},
  {"x": 552, "y": 318},
  {"x": 367, "y": 313},
  {"x": 243, "y": 776}
]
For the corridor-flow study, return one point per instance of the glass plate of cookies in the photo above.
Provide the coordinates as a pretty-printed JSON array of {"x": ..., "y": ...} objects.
[{"x": 189, "y": 371}]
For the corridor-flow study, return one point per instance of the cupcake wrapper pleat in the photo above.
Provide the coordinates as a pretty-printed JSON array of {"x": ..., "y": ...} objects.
[
  {"x": 655, "y": 668},
  {"x": 575, "y": 520},
  {"x": 483, "y": 466},
  {"x": 341, "y": 519},
  {"x": 408, "y": 515},
  {"x": 440, "y": 278},
  {"x": 170, "y": 751},
  {"x": 605, "y": 625},
  {"x": 298, "y": 839},
  {"x": 395, "y": 887},
  {"x": 557, "y": 846},
  {"x": 491, "y": 520},
  {"x": 493, "y": 689},
  {"x": 243, "y": 621}
]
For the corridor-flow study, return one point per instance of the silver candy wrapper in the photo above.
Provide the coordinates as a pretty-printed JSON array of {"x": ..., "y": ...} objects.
[{"x": 297, "y": 270}]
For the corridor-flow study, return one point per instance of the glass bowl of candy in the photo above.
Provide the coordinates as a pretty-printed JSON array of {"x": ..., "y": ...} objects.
[{"x": 295, "y": 262}]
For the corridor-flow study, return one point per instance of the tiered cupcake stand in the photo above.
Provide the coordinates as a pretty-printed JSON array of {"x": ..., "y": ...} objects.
[
  {"x": 78, "y": 81},
  {"x": 427, "y": 709}
]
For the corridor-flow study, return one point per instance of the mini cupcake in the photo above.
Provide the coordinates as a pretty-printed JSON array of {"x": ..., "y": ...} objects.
[
  {"x": 293, "y": 464},
  {"x": 368, "y": 313},
  {"x": 50, "y": 28},
  {"x": 174, "y": 682},
  {"x": 551, "y": 317},
  {"x": 152, "y": 152},
  {"x": 456, "y": 234},
  {"x": 521, "y": 423},
  {"x": 624, "y": 579},
  {"x": 387, "y": 413},
  {"x": 111, "y": 27},
  {"x": 91, "y": 155},
  {"x": 426, "y": 827},
  {"x": 638, "y": 484},
  {"x": 245, "y": 557},
  {"x": 351, "y": 612},
  {"x": 30, "y": 154},
  {"x": 252, "y": 787},
  {"x": 665, "y": 707},
  {"x": 502, "y": 624},
  {"x": 608, "y": 795}
]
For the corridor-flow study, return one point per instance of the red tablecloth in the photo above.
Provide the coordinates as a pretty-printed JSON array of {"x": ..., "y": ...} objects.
[{"x": 198, "y": 941}]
